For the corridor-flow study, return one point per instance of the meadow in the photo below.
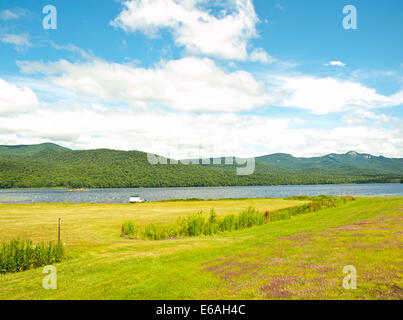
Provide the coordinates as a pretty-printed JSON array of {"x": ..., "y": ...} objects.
[{"x": 299, "y": 258}]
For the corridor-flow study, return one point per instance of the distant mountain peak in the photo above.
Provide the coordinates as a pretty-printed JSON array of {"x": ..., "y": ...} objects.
[{"x": 352, "y": 153}]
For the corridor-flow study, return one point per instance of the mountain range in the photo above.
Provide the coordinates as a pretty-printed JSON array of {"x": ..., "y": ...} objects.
[{"x": 51, "y": 165}]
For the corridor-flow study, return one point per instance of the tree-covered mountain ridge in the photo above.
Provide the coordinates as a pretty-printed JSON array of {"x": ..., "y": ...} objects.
[
  {"x": 29, "y": 150},
  {"x": 50, "y": 165}
]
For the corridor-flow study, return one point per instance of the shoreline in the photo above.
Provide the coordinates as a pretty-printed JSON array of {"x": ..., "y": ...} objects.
[
  {"x": 196, "y": 187},
  {"x": 170, "y": 201}
]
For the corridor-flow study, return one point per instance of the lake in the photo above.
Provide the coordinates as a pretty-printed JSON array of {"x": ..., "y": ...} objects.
[{"x": 156, "y": 194}]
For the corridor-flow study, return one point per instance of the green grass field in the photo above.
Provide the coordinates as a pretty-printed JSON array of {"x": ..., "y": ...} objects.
[{"x": 301, "y": 258}]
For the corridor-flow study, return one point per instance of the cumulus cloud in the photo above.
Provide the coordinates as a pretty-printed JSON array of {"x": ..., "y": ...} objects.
[
  {"x": 186, "y": 135},
  {"x": 193, "y": 25},
  {"x": 336, "y": 64},
  {"x": 325, "y": 95},
  {"x": 177, "y": 135},
  {"x": 189, "y": 84},
  {"x": 14, "y": 100},
  {"x": 200, "y": 85},
  {"x": 397, "y": 98},
  {"x": 260, "y": 55}
]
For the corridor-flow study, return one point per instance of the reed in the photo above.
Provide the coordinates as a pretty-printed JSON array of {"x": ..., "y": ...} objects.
[
  {"x": 200, "y": 224},
  {"x": 128, "y": 228},
  {"x": 195, "y": 225},
  {"x": 18, "y": 255}
]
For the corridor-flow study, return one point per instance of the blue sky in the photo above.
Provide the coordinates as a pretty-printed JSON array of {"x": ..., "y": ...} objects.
[{"x": 203, "y": 77}]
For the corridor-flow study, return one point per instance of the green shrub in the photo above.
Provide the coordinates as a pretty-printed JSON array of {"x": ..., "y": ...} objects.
[
  {"x": 18, "y": 255},
  {"x": 228, "y": 223},
  {"x": 213, "y": 217},
  {"x": 195, "y": 225},
  {"x": 128, "y": 228},
  {"x": 317, "y": 203},
  {"x": 199, "y": 225},
  {"x": 249, "y": 218}
]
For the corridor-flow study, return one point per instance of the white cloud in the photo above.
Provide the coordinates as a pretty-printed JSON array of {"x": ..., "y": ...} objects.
[
  {"x": 189, "y": 84},
  {"x": 259, "y": 55},
  {"x": 223, "y": 35},
  {"x": 336, "y": 64},
  {"x": 14, "y": 99},
  {"x": 186, "y": 135},
  {"x": 177, "y": 135},
  {"x": 199, "y": 85},
  {"x": 15, "y": 139},
  {"x": 13, "y": 14},
  {"x": 397, "y": 98},
  {"x": 72, "y": 48},
  {"x": 8, "y": 15},
  {"x": 18, "y": 40},
  {"x": 325, "y": 95},
  {"x": 363, "y": 139},
  {"x": 364, "y": 116},
  {"x": 374, "y": 74}
]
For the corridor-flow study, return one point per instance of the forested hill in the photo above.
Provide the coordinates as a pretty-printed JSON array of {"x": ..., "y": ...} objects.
[
  {"x": 29, "y": 150},
  {"x": 53, "y": 166}
]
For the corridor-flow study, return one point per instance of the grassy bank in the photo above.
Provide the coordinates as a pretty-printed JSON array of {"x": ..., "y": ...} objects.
[{"x": 298, "y": 258}]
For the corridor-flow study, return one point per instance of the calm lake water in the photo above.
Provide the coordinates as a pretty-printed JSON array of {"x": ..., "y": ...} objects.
[{"x": 155, "y": 194}]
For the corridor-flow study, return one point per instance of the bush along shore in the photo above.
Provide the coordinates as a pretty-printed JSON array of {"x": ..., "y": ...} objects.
[
  {"x": 18, "y": 255},
  {"x": 201, "y": 224}
]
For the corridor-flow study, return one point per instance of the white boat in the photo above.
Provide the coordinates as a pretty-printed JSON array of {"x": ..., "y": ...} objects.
[{"x": 135, "y": 199}]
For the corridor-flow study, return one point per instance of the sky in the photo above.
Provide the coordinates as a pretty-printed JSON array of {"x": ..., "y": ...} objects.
[{"x": 189, "y": 78}]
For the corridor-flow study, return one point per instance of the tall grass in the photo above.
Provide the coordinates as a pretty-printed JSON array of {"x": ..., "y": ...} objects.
[
  {"x": 128, "y": 228},
  {"x": 18, "y": 255},
  {"x": 200, "y": 224},
  {"x": 197, "y": 224},
  {"x": 317, "y": 203}
]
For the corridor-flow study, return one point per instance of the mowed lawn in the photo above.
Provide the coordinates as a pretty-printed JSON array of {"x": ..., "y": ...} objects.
[{"x": 301, "y": 258}]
